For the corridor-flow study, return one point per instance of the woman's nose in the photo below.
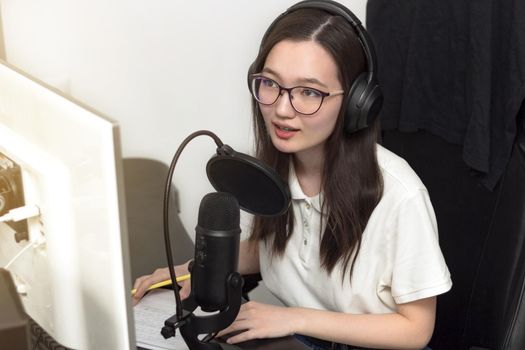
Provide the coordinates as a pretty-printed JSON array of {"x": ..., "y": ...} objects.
[{"x": 283, "y": 106}]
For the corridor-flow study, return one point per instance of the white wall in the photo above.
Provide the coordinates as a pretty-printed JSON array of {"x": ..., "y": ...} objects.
[
  {"x": 162, "y": 68},
  {"x": 2, "y": 48}
]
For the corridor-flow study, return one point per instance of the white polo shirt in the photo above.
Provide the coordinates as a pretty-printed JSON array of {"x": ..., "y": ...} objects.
[{"x": 399, "y": 260}]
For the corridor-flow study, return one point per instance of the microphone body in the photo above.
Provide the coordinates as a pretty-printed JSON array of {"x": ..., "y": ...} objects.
[{"x": 216, "y": 250}]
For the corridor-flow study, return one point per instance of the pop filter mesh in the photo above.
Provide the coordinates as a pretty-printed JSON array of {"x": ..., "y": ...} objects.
[
  {"x": 257, "y": 189},
  {"x": 219, "y": 211}
]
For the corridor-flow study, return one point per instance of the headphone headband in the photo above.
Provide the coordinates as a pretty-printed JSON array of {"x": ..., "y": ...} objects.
[{"x": 337, "y": 9}]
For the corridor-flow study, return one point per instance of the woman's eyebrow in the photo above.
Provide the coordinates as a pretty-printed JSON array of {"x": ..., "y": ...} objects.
[
  {"x": 270, "y": 71},
  {"x": 312, "y": 81},
  {"x": 300, "y": 81}
]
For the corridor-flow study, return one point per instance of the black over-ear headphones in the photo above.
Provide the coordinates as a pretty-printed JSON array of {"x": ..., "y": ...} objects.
[{"x": 364, "y": 99}]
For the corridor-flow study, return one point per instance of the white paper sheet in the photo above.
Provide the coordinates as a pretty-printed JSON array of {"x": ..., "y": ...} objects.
[{"x": 150, "y": 314}]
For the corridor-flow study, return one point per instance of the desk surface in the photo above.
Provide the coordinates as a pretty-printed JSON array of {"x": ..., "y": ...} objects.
[{"x": 285, "y": 343}]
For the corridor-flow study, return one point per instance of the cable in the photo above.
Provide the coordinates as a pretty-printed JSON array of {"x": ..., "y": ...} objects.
[
  {"x": 43, "y": 340},
  {"x": 37, "y": 340},
  {"x": 21, "y": 213},
  {"x": 29, "y": 245},
  {"x": 167, "y": 192}
]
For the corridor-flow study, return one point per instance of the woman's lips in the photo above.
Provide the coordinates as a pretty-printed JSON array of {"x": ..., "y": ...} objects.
[{"x": 284, "y": 132}]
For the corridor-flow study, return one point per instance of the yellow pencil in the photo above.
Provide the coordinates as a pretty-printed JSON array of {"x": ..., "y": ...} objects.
[{"x": 164, "y": 283}]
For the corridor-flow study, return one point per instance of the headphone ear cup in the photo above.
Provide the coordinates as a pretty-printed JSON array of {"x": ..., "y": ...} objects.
[
  {"x": 373, "y": 103},
  {"x": 364, "y": 102}
]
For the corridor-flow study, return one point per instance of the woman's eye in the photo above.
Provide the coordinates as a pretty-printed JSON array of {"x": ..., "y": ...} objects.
[
  {"x": 310, "y": 93},
  {"x": 269, "y": 83}
]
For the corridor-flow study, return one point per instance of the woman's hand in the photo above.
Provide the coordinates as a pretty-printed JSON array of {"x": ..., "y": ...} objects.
[
  {"x": 144, "y": 282},
  {"x": 258, "y": 321}
]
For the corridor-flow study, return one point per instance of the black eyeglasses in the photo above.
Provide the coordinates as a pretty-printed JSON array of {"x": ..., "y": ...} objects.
[{"x": 304, "y": 100}]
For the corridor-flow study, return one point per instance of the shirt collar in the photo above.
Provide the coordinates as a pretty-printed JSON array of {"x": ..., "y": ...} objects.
[{"x": 297, "y": 193}]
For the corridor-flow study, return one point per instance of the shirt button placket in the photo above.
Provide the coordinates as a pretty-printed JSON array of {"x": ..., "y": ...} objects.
[{"x": 306, "y": 227}]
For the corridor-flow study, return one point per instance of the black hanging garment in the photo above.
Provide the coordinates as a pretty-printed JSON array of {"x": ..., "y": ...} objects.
[{"x": 455, "y": 69}]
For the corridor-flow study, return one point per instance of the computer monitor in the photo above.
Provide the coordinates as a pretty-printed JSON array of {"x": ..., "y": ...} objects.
[{"x": 72, "y": 269}]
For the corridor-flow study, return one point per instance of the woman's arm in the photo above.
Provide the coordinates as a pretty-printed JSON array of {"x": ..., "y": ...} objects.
[
  {"x": 142, "y": 283},
  {"x": 410, "y": 328}
]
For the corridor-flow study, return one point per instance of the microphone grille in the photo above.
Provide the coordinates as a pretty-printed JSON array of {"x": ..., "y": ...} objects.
[{"x": 219, "y": 211}]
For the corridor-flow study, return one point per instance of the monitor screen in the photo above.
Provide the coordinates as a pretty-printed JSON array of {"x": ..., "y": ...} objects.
[{"x": 71, "y": 267}]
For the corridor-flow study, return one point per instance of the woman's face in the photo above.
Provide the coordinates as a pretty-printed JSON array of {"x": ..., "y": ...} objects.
[{"x": 301, "y": 63}]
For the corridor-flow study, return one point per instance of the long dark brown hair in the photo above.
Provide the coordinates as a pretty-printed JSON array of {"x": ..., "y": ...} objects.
[{"x": 351, "y": 183}]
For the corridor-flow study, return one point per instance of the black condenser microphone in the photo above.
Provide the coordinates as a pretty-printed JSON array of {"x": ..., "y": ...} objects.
[{"x": 216, "y": 250}]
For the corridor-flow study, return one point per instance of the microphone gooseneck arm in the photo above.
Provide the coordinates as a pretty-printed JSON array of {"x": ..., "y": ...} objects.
[{"x": 167, "y": 192}]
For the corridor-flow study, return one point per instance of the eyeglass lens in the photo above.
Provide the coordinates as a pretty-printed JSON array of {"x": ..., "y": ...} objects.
[{"x": 304, "y": 100}]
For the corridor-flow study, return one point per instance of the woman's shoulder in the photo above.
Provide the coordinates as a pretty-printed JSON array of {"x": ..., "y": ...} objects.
[{"x": 397, "y": 173}]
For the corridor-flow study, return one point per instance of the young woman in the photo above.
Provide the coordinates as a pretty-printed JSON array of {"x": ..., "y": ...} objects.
[{"x": 356, "y": 259}]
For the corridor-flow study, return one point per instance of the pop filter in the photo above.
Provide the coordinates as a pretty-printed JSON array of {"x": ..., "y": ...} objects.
[{"x": 257, "y": 187}]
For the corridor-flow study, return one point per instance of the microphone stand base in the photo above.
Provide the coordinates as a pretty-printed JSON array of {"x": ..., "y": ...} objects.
[{"x": 194, "y": 325}]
